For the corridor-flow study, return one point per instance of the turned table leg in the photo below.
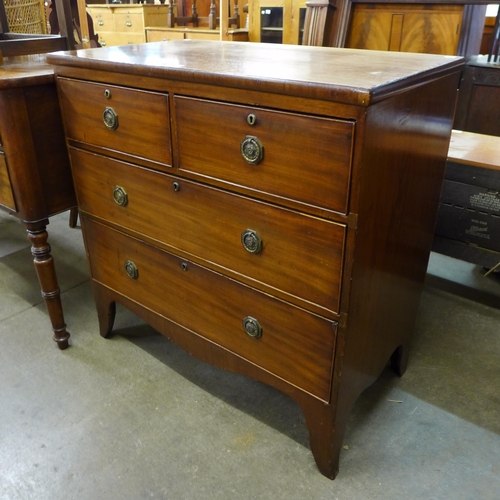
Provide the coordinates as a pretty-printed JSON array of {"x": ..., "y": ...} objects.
[{"x": 44, "y": 266}]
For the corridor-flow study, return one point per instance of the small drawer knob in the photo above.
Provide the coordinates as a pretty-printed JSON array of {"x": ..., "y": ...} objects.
[
  {"x": 131, "y": 270},
  {"x": 251, "y": 241},
  {"x": 252, "y": 149},
  {"x": 252, "y": 327},
  {"x": 120, "y": 196},
  {"x": 110, "y": 118},
  {"x": 128, "y": 23}
]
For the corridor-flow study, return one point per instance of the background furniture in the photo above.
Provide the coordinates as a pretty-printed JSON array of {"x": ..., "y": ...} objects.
[
  {"x": 35, "y": 176},
  {"x": 271, "y": 210},
  {"x": 121, "y": 24},
  {"x": 468, "y": 225},
  {"x": 479, "y": 98},
  {"x": 277, "y": 21}
]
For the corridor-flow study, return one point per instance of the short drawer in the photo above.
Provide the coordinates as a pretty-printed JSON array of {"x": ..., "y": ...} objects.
[
  {"x": 129, "y": 22},
  {"x": 303, "y": 158},
  {"x": 295, "y": 256},
  {"x": 103, "y": 19},
  {"x": 287, "y": 341},
  {"x": 6, "y": 194},
  {"x": 119, "y": 120}
]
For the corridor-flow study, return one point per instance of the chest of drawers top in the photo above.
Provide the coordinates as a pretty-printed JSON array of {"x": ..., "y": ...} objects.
[{"x": 349, "y": 76}]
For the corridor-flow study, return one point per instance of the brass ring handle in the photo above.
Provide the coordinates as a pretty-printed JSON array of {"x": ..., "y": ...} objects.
[
  {"x": 120, "y": 196},
  {"x": 251, "y": 241},
  {"x": 252, "y": 327},
  {"x": 131, "y": 270},
  {"x": 252, "y": 149},
  {"x": 110, "y": 118}
]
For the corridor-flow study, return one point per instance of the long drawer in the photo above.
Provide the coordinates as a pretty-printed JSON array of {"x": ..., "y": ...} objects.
[
  {"x": 305, "y": 159},
  {"x": 118, "y": 120},
  {"x": 253, "y": 325},
  {"x": 300, "y": 257}
]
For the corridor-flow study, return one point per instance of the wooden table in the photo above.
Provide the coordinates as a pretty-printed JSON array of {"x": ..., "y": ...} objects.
[
  {"x": 270, "y": 208},
  {"x": 35, "y": 176}
]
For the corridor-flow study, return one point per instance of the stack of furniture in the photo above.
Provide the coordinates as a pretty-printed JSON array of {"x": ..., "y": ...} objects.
[{"x": 122, "y": 24}]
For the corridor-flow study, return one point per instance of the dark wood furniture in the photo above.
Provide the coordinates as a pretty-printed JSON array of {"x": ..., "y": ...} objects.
[
  {"x": 479, "y": 98},
  {"x": 35, "y": 177},
  {"x": 271, "y": 210},
  {"x": 468, "y": 224}
]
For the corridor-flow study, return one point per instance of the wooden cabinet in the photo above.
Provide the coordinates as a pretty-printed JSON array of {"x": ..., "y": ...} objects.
[
  {"x": 425, "y": 28},
  {"x": 180, "y": 33},
  {"x": 277, "y": 21},
  {"x": 125, "y": 24},
  {"x": 271, "y": 210},
  {"x": 35, "y": 176},
  {"x": 479, "y": 97}
]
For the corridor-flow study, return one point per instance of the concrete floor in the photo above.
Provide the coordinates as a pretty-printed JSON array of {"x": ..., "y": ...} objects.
[{"x": 135, "y": 418}]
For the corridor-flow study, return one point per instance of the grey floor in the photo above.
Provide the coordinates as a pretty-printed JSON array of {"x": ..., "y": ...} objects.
[{"x": 134, "y": 417}]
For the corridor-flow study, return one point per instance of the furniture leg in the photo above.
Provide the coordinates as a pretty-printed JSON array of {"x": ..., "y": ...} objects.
[
  {"x": 399, "y": 359},
  {"x": 44, "y": 266},
  {"x": 106, "y": 309},
  {"x": 326, "y": 424}
]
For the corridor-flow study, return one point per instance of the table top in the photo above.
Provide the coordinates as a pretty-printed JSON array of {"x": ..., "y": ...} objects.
[
  {"x": 350, "y": 76},
  {"x": 25, "y": 70},
  {"x": 475, "y": 149}
]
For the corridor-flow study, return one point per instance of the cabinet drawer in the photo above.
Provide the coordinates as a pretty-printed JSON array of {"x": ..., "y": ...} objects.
[
  {"x": 129, "y": 22},
  {"x": 6, "y": 194},
  {"x": 142, "y": 120},
  {"x": 216, "y": 307},
  {"x": 300, "y": 258},
  {"x": 103, "y": 19},
  {"x": 305, "y": 158}
]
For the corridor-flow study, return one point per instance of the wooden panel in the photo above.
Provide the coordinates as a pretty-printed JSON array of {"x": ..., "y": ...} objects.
[
  {"x": 301, "y": 258},
  {"x": 431, "y": 29},
  {"x": 143, "y": 120},
  {"x": 290, "y": 149},
  {"x": 6, "y": 194},
  {"x": 303, "y": 356}
]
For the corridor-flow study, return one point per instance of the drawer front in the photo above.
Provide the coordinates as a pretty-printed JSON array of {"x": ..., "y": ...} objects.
[
  {"x": 142, "y": 120},
  {"x": 129, "y": 22},
  {"x": 103, "y": 19},
  {"x": 155, "y": 35},
  {"x": 294, "y": 345},
  {"x": 300, "y": 257},
  {"x": 116, "y": 39},
  {"x": 6, "y": 194},
  {"x": 305, "y": 159}
]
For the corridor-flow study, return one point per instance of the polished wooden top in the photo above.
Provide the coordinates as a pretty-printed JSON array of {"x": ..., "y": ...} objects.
[
  {"x": 475, "y": 149},
  {"x": 350, "y": 76},
  {"x": 25, "y": 70}
]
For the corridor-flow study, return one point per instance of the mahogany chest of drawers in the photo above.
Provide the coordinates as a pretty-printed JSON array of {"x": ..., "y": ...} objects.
[{"x": 268, "y": 208}]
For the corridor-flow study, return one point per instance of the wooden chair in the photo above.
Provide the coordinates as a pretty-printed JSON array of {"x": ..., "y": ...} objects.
[
  {"x": 21, "y": 44},
  {"x": 494, "y": 52},
  {"x": 319, "y": 23},
  {"x": 194, "y": 20}
]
